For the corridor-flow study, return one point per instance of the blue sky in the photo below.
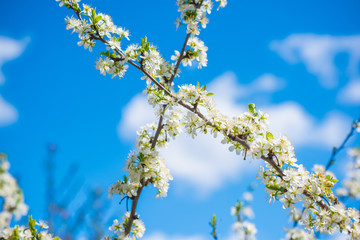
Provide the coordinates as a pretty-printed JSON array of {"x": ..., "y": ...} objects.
[{"x": 297, "y": 60}]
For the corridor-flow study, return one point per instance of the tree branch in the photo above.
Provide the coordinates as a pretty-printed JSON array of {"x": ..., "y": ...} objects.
[
  {"x": 133, "y": 215},
  {"x": 242, "y": 142},
  {"x": 320, "y": 202}
]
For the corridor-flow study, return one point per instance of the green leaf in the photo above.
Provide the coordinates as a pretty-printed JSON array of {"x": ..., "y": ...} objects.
[
  {"x": 97, "y": 19},
  {"x": 209, "y": 94},
  {"x": 331, "y": 179},
  {"x": 269, "y": 136},
  {"x": 213, "y": 220},
  {"x": 106, "y": 54},
  {"x": 144, "y": 43},
  {"x": 93, "y": 13},
  {"x": 76, "y": 7},
  {"x": 275, "y": 188},
  {"x": 32, "y": 224},
  {"x": 252, "y": 107},
  {"x": 16, "y": 234},
  {"x": 334, "y": 180},
  {"x": 238, "y": 206}
]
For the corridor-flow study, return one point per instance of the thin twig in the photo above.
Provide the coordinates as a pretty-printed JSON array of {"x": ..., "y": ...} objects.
[
  {"x": 336, "y": 150},
  {"x": 180, "y": 58},
  {"x": 158, "y": 130}
]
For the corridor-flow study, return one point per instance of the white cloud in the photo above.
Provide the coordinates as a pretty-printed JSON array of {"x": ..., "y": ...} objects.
[
  {"x": 206, "y": 164},
  {"x": 318, "y": 53},
  {"x": 8, "y": 113},
  {"x": 267, "y": 83},
  {"x": 9, "y": 50},
  {"x": 339, "y": 236},
  {"x": 228, "y": 91},
  {"x": 135, "y": 114},
  {"x": 350, "y": 94},
  {"x": 162, "y": 236},
  {"x": 291, "y": 119}
]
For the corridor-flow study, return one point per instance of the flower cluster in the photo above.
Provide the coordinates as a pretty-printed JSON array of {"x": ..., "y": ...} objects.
[
  {"x": 137, "y": 229},
  {"x": 151, "y": 61},
  {"x": 297, "y": 233},
  {"x": 197, "y": 52},
  {"x": 194, "y": 12},
  {"x": 91, "y": 26},
  {"x": 145, "y": 166},
  {"x": 242, "y": 210},
  {"x": 34, "y": 230},
  {"x": 355, "y": 154},
  {"x": 351, "y": 185},
  {"x": 110, "y": 66},
  {"x": 13, "y": 203}
]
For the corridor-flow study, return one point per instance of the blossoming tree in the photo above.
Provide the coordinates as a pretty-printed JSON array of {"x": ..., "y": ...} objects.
[{"x": 191, "y": 109}]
